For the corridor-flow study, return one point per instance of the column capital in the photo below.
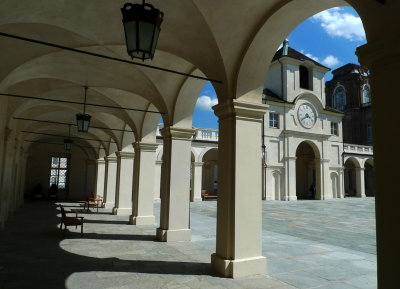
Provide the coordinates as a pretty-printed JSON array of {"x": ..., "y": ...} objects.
[
  {"x": 125, "y": 155},
  {"x": 145, "y": 147},
  {"x": 159, "y": 162},
  {"x": 110, "y": 159},
  {"x": 360, "y": 169},
  {"x": 378, "y": 54},
  {"x": 197, "y": 164},
  {"x": 177, "y": 133},
  {"x": 100, "y": 161},
  {"x": 290, "y": 158},
  {"x": 240, "y": 109}
]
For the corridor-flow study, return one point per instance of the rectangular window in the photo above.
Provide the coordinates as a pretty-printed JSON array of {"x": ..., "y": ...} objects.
[
  {"x": 59, "y": 172},
  {"x": 369, "y": 133},
  {"x": 273, "y": 120},
  {"x": 334, "y": 128}
]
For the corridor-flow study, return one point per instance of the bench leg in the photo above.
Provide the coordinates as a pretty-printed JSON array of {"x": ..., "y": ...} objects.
[{"x": 82, "y": 230}]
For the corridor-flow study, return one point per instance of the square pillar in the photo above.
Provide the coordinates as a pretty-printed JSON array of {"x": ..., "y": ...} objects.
[
  {"x": 175, "y": 185},
  {"x": 143, "y": 186},
  {"x": 360, "y": 181},
  {"x": 197, "y": 171},
  {"x": 157, "y": 181},
  {"x": 110, "y": 182},
  {"x": 100, "y": 175},
  {"x": 239, "y": 215},
  {"x": 123, "y": 198}
]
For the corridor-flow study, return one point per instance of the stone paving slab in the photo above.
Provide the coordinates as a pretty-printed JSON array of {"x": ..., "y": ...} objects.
[{"x": 309, "y": 244}]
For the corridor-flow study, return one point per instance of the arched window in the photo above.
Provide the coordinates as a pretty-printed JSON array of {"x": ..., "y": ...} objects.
[
  {"x": 339, "y": 98},
  {"x": 366, "y": 95},
  {"x": 304, "y": 77}
]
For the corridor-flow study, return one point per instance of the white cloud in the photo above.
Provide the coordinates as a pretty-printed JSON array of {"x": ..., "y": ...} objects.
[
  {"x": 330, "y": 61},
  {"x": 205, "y": 102},
  {"x": 341, "y": 24},
  {"x": 312, "y": 57}
]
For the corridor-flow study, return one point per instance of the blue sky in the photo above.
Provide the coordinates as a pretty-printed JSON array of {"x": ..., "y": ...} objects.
[{"x": 330, "y": 37}]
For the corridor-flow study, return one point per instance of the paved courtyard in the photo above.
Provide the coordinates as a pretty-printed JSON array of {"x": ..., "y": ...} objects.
[{"x": 309, "y": 244}]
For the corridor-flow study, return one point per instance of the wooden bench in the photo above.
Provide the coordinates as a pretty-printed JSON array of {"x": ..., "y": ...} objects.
[
  {"x": 70, "y": 221},
  {"x": 208, "y": 194},
  {"x": 94, "y": 202}
]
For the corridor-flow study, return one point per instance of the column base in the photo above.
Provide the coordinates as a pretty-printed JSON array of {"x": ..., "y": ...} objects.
[
  {"x": 142, "y": 220},
  {"x": 173, "y": 235},
  {"x": 122, "y": 211},
  {"x": 157, "y": 200},
  {"x": 197, "y": 200},
  {"x": 240, "y": 267},
  {"x": 109, "y": 205},
  {"x": 289, "y": 198}
]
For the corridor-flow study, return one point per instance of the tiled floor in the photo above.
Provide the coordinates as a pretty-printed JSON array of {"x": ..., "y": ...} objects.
[{"x": 309, "y": 244}]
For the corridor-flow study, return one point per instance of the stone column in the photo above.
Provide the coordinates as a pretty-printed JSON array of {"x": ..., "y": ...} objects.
[
  {"x": 197, "y": 170},
  {"x": 239, "y": 214},
  {"x": 100, "y": 175},
  {"x": 290, "y": 179},
  {"x": 157, "y": 181},
  {"x": 360, "y": 181},
  {"x": 123, "y": 198},
  {"x": 143, "y": 186},
  {"x": 382, "y": 56},
  {"x": 175, "y": 185},
  {"x": 111, "y": 182}
]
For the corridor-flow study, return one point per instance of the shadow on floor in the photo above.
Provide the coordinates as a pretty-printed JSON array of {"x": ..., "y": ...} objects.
[
  {"x": 31, "y": 256},
  {"x": 110, "y": 222}
]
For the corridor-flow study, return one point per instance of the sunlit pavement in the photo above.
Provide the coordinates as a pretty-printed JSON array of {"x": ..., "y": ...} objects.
[{"x": 308, "y": 244}]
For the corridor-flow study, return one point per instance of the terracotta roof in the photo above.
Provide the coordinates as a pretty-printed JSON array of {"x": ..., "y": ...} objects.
[{"x": 293, "y": 53}]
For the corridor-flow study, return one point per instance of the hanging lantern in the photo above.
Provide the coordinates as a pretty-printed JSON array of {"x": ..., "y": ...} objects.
[
  {"x": 142, "y": 27},
  {"x": 68, "y": 144},
  {"x": 83, "y": 119}
]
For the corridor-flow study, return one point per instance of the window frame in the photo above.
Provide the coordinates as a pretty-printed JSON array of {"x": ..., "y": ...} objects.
[
  {"x": 334, "y": 128},
  {"x": 344, "y": 100},
  {"x": 273, "y": 120},
  {"x": 59, "y": 168}
]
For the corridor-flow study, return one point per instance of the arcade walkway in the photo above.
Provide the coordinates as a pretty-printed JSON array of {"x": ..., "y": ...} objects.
[{"x": 309, "y": 244}]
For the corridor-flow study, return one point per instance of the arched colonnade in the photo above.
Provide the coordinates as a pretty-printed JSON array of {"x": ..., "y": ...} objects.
[{"x": 237, "y": 55}]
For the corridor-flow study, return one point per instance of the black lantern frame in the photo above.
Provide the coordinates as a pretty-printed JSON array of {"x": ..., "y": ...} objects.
[
  {"x": 68, "y": 141},
  {"x": 68, "y": 144},
  {"x": 83, "y": 119},
  {"x": 142, "y": 26}
]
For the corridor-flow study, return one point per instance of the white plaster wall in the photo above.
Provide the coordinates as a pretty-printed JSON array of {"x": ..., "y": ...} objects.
[{"x": 273, "y": 80}]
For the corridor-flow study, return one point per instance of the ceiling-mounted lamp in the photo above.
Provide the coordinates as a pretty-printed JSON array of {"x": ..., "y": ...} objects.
[
  {"x": 142, "y": 27},
  {"x": 83, "y": 119},
  {"x": 68, "y": 141}
]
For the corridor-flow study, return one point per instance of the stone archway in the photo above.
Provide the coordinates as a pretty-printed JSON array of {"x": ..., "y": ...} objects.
[
  {"x": 306, "y": 172},
  {"x": 369, "y": 178},
  {"x": 210, "y": 170},
  {"x": 350, "y": 177}
]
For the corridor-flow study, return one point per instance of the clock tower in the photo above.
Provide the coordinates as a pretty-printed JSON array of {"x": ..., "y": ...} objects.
[{"x": 302, "y": 136}]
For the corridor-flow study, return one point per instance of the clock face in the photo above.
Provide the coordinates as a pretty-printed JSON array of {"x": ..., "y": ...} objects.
[{"x": 306, "y": 115}]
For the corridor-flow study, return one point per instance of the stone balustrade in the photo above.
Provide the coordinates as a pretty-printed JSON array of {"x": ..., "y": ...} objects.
[
  {"x": 358, "y": 149},
  {"x": 202, "y": 134}
]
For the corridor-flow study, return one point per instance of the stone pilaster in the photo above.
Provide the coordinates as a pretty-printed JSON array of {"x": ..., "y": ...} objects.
[
  {"x": 123, "y": 199},
  {"x": 360, "y": 181},
  {"x": 290, "y": 179},
  {"x": 143, "y": 186},
  {"x": 175, "y": 185},
  {"x": 239, "y": 211},
  {"x": 111, "y": 182},
  {"x": 157, "y": 181},
  {"x": 197, "y": 170},
  {"x": 100, "y": 176}
]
